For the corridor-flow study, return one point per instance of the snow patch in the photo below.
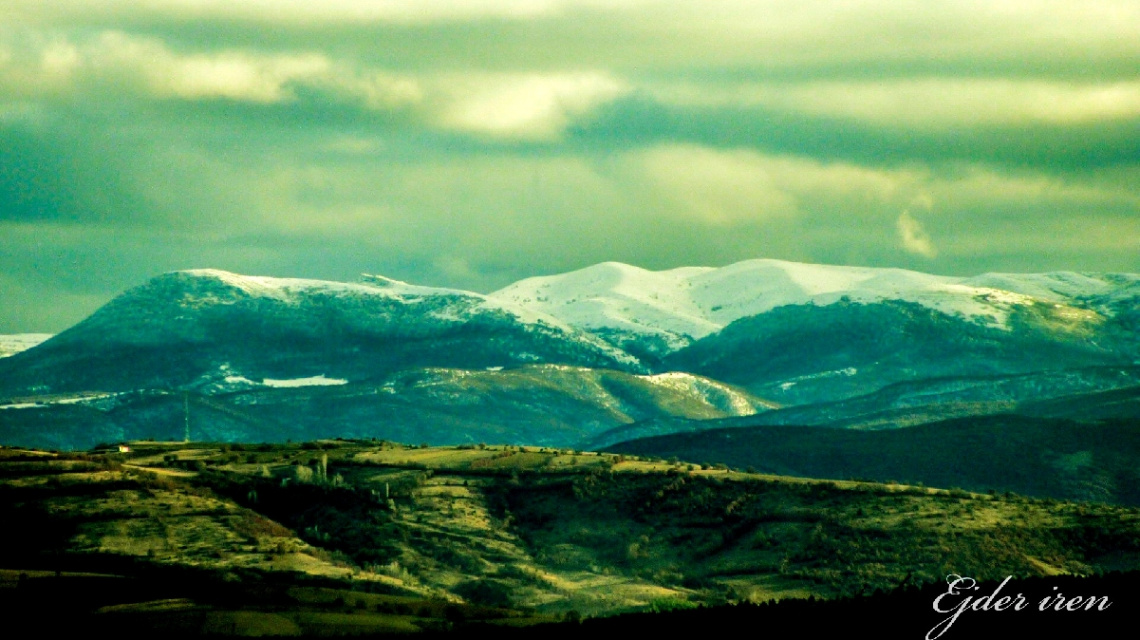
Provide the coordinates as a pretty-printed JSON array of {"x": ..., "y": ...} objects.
[
  {"x": 44, "y": 402},
  {"x": 83, "y": 398},
  {"x": 314, "y": 381},
  {"x": 709, "y": 391},
  {"x": 837, "y": 373}
]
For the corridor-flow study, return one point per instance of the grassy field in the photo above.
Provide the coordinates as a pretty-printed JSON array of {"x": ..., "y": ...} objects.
[{"x": 366, "y": 536}]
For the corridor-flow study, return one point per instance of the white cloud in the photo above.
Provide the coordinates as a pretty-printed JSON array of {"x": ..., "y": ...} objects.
[
  {"x": 522, "y": 106},
  {"x": 232, "y": 75},
  {"x": 380, "y": 90},
  {"x": 812, "y": 38},
  {"x": 930, "y": 102},
  {"x": 125, "y": 63},
  {"x": 718, "y": 187},
  {"x": 914, "y": 238},
  {"x": 59, "y": 59},
  {"x": 236, "y": 74},
  {"x": 526, "y": 106},
  {"x": 337, "y": 11},
  {"x": 738, "y": 185}
]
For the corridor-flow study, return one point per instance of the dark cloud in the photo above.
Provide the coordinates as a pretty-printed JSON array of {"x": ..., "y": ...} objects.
[{"x": 1079, "y": 147}]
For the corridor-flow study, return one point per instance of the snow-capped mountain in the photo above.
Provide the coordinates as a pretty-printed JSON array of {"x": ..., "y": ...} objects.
[
  {"x": 664, "y": 311},
  {"x": 558, "y": 359},
  {"x": 185, "y": 326}
]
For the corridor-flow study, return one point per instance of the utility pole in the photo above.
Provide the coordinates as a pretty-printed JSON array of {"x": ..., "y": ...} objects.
[{"x": 186, "y": 415}]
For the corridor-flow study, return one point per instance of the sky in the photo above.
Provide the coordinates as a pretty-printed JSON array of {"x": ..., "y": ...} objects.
[{"x": 472, "y": 143}]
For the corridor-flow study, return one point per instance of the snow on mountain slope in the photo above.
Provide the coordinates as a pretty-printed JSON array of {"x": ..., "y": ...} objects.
[
  {"x": 620, "y": 297},
  {"x": 681, "y": 305},
  {"x": 181, "y": 327},
  {"x": 194, "y": 289},
  {"x": 10, "y": 345},
  {"x": 1065, "y": 287},
  {"x": 1059, "y": 286},
  {"x": 294, "y": 289}
]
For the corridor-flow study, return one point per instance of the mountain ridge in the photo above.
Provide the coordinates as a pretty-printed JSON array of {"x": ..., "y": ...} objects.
[
  {"x": 182, "y": 325},
  {"x": 819, "y": 335},
  {"x": 685, "y": 304}
]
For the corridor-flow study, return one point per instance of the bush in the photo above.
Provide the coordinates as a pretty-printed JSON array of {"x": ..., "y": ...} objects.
[{"x": 490, "y": 593}]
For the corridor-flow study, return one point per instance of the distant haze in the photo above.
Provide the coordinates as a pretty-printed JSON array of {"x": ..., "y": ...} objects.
[{"x": 472, "y": 144}]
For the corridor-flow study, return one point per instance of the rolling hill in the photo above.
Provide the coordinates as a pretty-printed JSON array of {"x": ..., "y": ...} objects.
[
  {"x": 548, "y": 405},
  {"x": 1048, "y": 458}
]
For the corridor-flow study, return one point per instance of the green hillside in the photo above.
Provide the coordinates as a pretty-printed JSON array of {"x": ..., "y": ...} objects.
[{"x": 1043, "y": 457}]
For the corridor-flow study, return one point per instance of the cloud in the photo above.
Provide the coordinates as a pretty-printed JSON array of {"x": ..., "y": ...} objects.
[
  {"x": 473, "y": 142},
  {"x": 734, "y": 186},
  {"x": 523, "y": 106},
  {"x": 229, "y": 74},
  {"x": 119, "y": 63},
  {"x": 296, "y": 10},
  {"x": 931, "y": 102},
  {"x": 914, "y": 238},
  {"x": 754, "y": 39},
  {"x": 718, "y": 187}
]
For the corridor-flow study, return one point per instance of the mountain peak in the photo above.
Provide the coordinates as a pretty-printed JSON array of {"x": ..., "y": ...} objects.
[{"x": 684, "y": 304}]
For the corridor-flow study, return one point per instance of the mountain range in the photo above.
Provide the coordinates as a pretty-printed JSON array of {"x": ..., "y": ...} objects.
[{"x": 584, "y": 359}]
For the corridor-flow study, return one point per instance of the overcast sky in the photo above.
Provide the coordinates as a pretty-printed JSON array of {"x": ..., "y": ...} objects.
[{"x": 471, "y": 143}]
